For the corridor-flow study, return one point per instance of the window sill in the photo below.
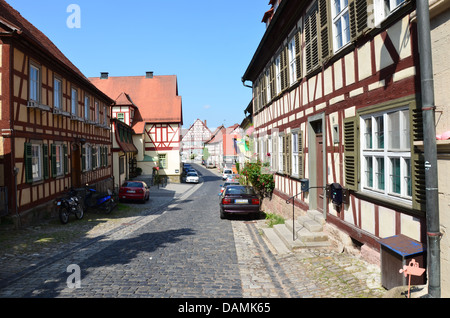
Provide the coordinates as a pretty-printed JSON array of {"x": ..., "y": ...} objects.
[{"x": 390, "y": 203}]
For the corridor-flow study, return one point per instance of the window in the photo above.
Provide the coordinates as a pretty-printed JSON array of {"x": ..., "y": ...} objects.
[
  {"x": 383, "y": 8},
  {"x": 59, "y": 159},
  {"x": 97, "y": 112},
  {"x": 86, "y": 157},
  {"x": 57, "y": 93},
  {"x": 387, "y": 163},
  {"x": 292, "y": 62},
  {"x": 105, "y": 116},
  {"x": 267, "y": 77},
  {"x": 121, "y": 117},
  {"x": 278, "y": 75},
  {"x": 280, "y": 153},
  {"x": 295, "y": 153},
  {"x": 74, "y": 102},
  {"x": 87, "y": 107},
  {"x": 341, "y": 25},
  {"x": 35, "y": 85},
  {"x": 36, "y": 161},
  {"x": 162, "y": 161}
]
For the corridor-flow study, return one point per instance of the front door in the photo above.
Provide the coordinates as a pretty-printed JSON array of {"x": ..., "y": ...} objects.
[{"x": 319, "y": 170}]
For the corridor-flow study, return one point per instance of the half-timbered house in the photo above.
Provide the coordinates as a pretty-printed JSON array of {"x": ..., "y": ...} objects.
[
  {"x": 193, "y": 141},
  {"x": 155, "y": 116},
  {"x": 335, "y": 100},
  {"x": 55, "y": 124}
]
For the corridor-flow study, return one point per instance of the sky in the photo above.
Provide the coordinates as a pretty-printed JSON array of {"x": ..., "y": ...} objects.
[{"x": 207, "y": 44}]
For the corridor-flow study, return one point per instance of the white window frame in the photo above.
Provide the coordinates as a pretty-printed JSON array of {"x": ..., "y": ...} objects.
[
  {"x": 74, "y": 101},
  {"x": 88, "y": 157},
  {"x": 384, "y": 8},
  {"x": 59, "y": 157},
  {"x": 295, "y": 152},
  {"x": 270, "y": 152},
  {"x": 37, "y": 162},
  {"x": 35, "y": 83},
  {"x": 372, "y": 153},
  {"x": 292, "y": 62},
  {"x": 267, "y": 76},
  {"x": 341, "y": 24},
  {"x": 280, "y": 153},
  {"x": 278, "y": 74},
  {"x": 57, "y": 93},
  {"x": 87, "y": 106}
]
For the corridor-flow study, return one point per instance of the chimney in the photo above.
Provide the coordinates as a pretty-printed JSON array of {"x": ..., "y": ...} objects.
[
  {"x": 205, "y": 123},
  {"x": 104, "y": 75},
  {"x": 148, "y": 74}
]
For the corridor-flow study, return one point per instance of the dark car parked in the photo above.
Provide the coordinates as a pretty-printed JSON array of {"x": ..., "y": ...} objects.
[
  {"x": 239, "y": 200},
  {"x": 134, "y": 190}
]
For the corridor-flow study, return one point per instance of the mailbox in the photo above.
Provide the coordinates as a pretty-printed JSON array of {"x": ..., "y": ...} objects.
[
  {"x": 336, "y": 193},
  {"x": 304, "y": 184}
]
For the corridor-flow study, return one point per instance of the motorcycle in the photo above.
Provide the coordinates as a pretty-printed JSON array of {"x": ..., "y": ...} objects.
[
  {"x": 95, "y": 200},
  {"x": 69, "y": 205}
]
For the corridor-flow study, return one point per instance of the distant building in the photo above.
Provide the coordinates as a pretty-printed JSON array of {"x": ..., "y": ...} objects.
[
  {"x": 152, "y": 108},
  {"x": 193, "y": 141}
]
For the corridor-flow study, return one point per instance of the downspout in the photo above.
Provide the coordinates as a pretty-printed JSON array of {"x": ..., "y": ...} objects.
[{"x": 430, "y": 150}]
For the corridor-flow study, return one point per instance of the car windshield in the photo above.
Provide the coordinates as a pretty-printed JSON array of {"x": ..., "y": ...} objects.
[
  {"x": 230, "y": 183},
  {"x": 192, "y": 174},
  {"x": 239, "y": 190},
  {"x": 132, "y": 185},
  {"x": 228, "y": 172}
]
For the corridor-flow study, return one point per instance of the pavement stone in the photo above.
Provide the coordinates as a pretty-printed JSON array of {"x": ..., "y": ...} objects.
[{"x": 305, "y": 273}]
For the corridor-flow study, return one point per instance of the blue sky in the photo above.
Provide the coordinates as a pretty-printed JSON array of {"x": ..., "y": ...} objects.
[{"x": 208, "y": 44}]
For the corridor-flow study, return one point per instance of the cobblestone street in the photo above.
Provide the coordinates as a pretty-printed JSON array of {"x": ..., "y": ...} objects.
[{"x": 183, "y": 249}]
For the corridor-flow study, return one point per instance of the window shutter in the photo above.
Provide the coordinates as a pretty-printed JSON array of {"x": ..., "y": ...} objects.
[
  {"x": 358, "y": 14},
  {"x": 298, "y": 56},
  {"x": 417, "y": 159},
  {"x": 45, "y": 160},
  {"x": 311, "y": 44},
  {"x": 284, "y": 68},
  {"x": 28, "y": 158},
  {"x": 351, "y": 152},
  {"x": 66, "y": 160},
  {"x": 284, "y": 154},
  {"x": 275, "y": 152},
  {"x": 325, "y": 28},
  {"x": 272, "y": 81},
  {"x": 289, "y": 154},
  {"x": 106, "y": 156},
  {"x": 53, "y": 159},
  {"x": 300, "y": 154}
]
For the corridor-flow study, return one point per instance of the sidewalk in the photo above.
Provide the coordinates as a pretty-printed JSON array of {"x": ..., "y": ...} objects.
[{"x": 28, "y": 248}]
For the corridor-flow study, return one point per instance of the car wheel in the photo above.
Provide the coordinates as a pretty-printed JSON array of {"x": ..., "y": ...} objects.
[{"x": 222, "y": 215}]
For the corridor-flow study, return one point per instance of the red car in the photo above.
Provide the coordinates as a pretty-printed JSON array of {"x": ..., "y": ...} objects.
[{"x": 134, "y": 190}]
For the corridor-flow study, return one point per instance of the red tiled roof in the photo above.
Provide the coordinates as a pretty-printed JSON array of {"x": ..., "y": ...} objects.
[
  {"x": 156, "y": 98},
  {"x": 14, "y": 23}
]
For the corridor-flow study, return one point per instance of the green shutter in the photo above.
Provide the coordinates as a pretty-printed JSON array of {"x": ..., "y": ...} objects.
[
  {"x": 53, "y": 159},
  {"x": 326, "y": 46},
  {"x": 311, "y": 44},
  {"x": 28, "y": 163},
  {"x": 45, "y": 161},
  {"x": 284, "y": 68},
  {"x": 417, "y": 159},
  {"x": 66, "y": 160},
  {"x": 351, "y": 139},
  {"x": 289, "y": 154},
  {"x": 272, "y": 81}
]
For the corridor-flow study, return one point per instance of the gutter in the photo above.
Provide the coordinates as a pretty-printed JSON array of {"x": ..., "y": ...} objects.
[{"x": 430, "y": 149}]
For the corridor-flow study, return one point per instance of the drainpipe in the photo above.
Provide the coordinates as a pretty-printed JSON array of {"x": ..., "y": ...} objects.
[{"x": 430, "y": 151}]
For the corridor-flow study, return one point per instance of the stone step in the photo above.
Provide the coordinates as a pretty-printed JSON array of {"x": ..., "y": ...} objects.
[
  {"x": 287, "y": 237},
  {"x": 275, "y": 241},
  {"x": 308, "y": 231}
]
